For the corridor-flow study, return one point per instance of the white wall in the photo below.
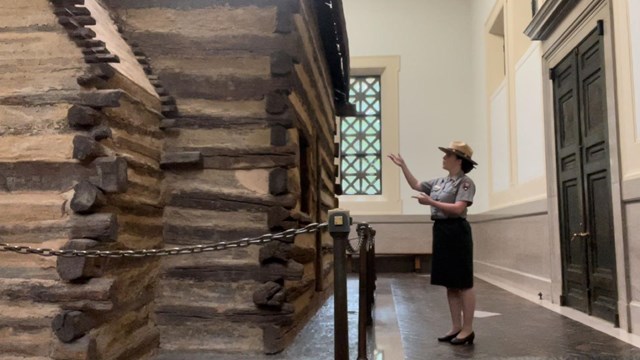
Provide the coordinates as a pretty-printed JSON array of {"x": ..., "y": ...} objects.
[
  {"x": 480, "y": 10},
  {"x": 437, "y": 83}
]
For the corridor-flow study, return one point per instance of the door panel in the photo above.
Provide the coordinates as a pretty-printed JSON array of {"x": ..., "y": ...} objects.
[
  {"x": 575, "y": 280},
  {"x": 584, "y": 181}
]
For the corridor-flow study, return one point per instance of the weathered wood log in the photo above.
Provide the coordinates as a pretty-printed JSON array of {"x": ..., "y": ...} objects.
[
  {"x": 220, "y": 201},
  {"x": 71, "y": 325},
  {"x": 101, "y": 98},
  {"x": 182, "y": 159},
  {"x": 275, "y": 251},
  {"x": 83, "y": 348},
  {"x": 68, "y": 23},
  {"x": 303, "y": 255},
  {"x": 101, "y": 58},
  {"x": 87, "y": 149},
  {"x": 67, "y": 3},
  {"x": 86, "y": 197},
  {"x": 101, "y": 132},
  {"x": 82, "y": 34},
  {"x": 269, "y": 295},
  {"x": 55, "y": 291},
  {"x": 291, "y": 271},
  {"x": 101, "y": 227},
  {"x": 78, "y": 267},
  {"x": 71, "y": 11},
  {"x": 111, "y": 174},
  {"x": 238, "y": 272},
  {"x": 185, "y": 85},
  {"x": 247, "y": 161},
  {"x": 83, "y": 116},
  {"x": 278, "y": 181},
  {"x": 298, "y": 288},
  {"x": 279, "y": 135},
  {"x": 276, "y": 216},
  {"x": 92, "y": 81},
  {"x": 281, "y": 63},
  {"x": 284, "y": 20},
  {"x": 276, "y": 103}
]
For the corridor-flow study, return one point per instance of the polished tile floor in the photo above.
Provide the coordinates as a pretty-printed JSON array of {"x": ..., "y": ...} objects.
[{"x": 410, "y": 314}]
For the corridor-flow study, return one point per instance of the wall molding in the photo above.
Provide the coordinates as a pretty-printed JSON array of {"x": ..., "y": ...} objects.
[{"x": 547, "y": 19}]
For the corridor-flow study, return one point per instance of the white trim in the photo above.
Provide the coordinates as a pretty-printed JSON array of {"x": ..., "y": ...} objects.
[{"x": 388, "y": 67}]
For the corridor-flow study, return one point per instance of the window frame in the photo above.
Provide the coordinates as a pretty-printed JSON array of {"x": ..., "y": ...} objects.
[{"x": 389, "y": 202}]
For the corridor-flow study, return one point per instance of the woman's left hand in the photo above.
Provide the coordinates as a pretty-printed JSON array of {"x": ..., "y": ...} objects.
[{"x": 423, "y": 198}]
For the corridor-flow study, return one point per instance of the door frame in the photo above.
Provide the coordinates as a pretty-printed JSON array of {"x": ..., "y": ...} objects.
[{"x": 569, "y": 32}]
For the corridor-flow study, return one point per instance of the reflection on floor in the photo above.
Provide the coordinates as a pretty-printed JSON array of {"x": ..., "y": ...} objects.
[{"x": 410, "y": 314}]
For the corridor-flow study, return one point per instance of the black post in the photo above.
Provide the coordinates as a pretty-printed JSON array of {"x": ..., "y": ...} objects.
[
  {"x": 371, "y": 275},
  {"x": 363, "y": 293},
  {"x": 339, "y": 227}
]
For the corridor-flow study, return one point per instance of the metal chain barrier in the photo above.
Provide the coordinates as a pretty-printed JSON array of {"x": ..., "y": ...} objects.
[{"x": 195, "y": 249}]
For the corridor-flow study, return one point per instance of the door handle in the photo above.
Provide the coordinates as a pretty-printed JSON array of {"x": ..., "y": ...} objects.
[{"x": 580, "y": 234}]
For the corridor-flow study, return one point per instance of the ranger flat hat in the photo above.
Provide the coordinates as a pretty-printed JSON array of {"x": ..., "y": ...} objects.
[{"x": 461, "y": 149}]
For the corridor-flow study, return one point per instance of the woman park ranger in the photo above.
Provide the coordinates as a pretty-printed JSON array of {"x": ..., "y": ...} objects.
[{"x": 452, "y": 262}]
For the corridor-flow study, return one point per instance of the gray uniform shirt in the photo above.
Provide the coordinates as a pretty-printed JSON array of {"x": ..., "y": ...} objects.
[{"x": 449, "y": 190}]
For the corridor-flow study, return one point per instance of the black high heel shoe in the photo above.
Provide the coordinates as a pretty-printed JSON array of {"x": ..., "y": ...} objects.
[
  {"x": 448, "y": 338},
  {"x": 461, "y": 341}
]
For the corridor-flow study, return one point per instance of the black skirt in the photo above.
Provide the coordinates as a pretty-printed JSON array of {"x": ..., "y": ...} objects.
[{"x": 452, "y": 257}]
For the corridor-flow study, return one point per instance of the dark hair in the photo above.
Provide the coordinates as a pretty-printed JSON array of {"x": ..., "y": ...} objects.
[{"x": 466, "y": 165}]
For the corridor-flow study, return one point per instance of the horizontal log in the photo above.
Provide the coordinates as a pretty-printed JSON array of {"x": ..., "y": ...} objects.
[
  {"x": 231, "y": 88},
  {"x": 101, "y": 227},
  {"x": 195, "y": 4},
  {"x": 55, "y": 291},
  {"x": 222, "y": 201},
  {"x": 83, "y": 116},
  {"x": 189, "y": 235},
  {"x": 188, "y": 159},
  {"x": 70, "y": 325},
  {"x": 82, "y": 34},
  {"x": 278, "y": 181},
  {"x": 281, "y": 63},
  {"x": 232, "y": 272},
  {"x": 157, "y": 44},
  {"x": 279, "y": 135},
  {"x": 101, "y": 58},
  {"x": 101, "y": 132},
  {"x": 41, "y": 175},
  {"x": 276, "y": 216},
  {"x": 86, "y": 198},
  {"x": 71, "y": 11},
  {"x": 83, "y": 348},
  {"x": 78, "y": 268},
  {"x": 269, "y": 295},
  {"x": 226, "y": 121},
  {"x": 276, "y": 103},
  {"x": 275, "y": 251},
  {"x": 101, "y": 98},
  {"x": 247, "y": 161},
  {"x": 87, "y": 149},
  {"x": 303, "y": 255},
  {"x": 111, "y": 174},
  {"x": 67, "y": 3},
  {"x": 298, "y": 288}
]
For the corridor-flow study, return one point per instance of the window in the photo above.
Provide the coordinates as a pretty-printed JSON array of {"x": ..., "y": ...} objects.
[
  {"x": 370, "y": 183},
  {"x": 361, "y": 171}
]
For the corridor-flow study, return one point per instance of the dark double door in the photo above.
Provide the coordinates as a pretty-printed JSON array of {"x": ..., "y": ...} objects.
[{"x": 584, "y": 182}]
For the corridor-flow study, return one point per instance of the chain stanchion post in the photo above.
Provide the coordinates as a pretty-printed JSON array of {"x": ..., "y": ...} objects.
[
  {"x": 363, "y": 230},
  {"x": 371, "y": 274},
  {"x": 339, "y": 227}
]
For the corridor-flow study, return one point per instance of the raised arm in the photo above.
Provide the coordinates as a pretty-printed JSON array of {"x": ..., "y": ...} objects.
[{"x": 411, "y": 180}]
